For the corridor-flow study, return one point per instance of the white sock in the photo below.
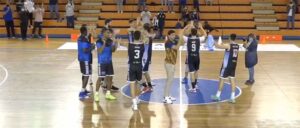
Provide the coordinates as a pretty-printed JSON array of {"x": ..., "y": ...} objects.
[
  {"x": 232, "y": 95},
  {"x": 83, "y": 89},
  {"x": 218, "y": 94},
  {"x": 134, "y": 101},
  {"x": 107, "y": 92}
]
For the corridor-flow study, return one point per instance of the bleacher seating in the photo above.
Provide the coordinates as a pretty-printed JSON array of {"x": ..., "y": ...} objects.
[{"x": 228, "y": 16}]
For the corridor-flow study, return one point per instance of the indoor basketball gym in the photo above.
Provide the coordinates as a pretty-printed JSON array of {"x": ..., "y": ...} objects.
[{"x": 40, "y": 79}]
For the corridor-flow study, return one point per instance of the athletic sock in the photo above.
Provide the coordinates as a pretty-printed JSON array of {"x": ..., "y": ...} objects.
[
  {"x": 149, "y": 84},
  {"x": 218, "y": 94},
  {"x": 232, "y": 95},
  {"x": 195, "y": 80},
  {"x": 107, "y": 92},
  {"x": 83, "y": 90},
  {"x": 193, "y": 85},
  {"x": 144, "y": 84}
]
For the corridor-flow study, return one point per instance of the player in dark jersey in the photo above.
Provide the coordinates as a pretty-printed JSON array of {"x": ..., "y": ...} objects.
[
  {"x": 149, "y": 36},
  {"x": 228, "y": 66},
  {"x": 105, "y": 47},
  {"x": 84, "y": 57},
  {"x": 135, "y": 62},
  {"x": 193, "y": 48}
]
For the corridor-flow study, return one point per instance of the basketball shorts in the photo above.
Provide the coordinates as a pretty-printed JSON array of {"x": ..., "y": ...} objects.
[
  {"x": 105, "y": 70},
  {"x": 85, "y": 68},
  {"x": 135, "y": 72}
]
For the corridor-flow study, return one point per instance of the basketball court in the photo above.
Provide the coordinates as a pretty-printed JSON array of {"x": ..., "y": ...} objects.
[{"x": 39, "y": 85}]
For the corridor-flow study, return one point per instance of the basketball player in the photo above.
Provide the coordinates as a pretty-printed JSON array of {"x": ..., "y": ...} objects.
[
  {"x": 228, "y": 66},
  {"x": 84, "y": 57},
  {"x": 193, "y": 48},
  {"x": 135, "y": 55},
  {"x": 105, "y": 47},
  {"x": 149, "y": 34},
  {"x": 131, "y": 29},
  {"x": 171, "y": 47}
]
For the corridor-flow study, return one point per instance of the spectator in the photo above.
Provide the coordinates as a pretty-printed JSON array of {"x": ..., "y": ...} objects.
[
  {"x": 38, "y": 14},
  {"x": 250, "y": 57},
  {"x": 107, "y": 24},
  {"x": 185, "y": 16},
  {"x": 170, "y": 4},
  {"x": 29, "y": 6},
  {"x": 161, "y": 22},
  {"x": 291, "y": 9},
  {"x": 141, "y": 5},
  {"x": 163, "y": 2},
  {"x": 146, "y": 16},
  {"x": 70, "y": 14},
  {"x": 296, "y": 4},
  {"x": 155, "y": 22},
  {"x": 19, "y": 5},
  {"x": 53, "y": 7},
  {"x": 182, "y": 4},
  {"x": 209, "y": 2},
  {"x": 120, "y": 6},
  {"x": 195, "y": 16},
  {"x": 9, "y": 21},
  {"x": 178, "y": 24},
  {"x": 196, "y": 5},
  {"x": 23, "y": 23}
]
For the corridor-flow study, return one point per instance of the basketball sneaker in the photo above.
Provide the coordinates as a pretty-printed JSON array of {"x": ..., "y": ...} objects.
[
  {"x": 146, "y": 89},
  {"x": 232, "y": 101},
  {"x": 87, "y": 92},
  {"x": 96, "y": 97},
  {"x": 113, "y": 88},
  {"x": 193, "y": 90},
  {"x": 172, "y": 98},
  {"x": 134, "y": 104},
  {"x": 215, "y": 98},
  {"x": 109, "y": 96},
  {"x": 184, "y": 80},
  {"x": 83, "y": 95},
  {"x": 168, "y": 100}
]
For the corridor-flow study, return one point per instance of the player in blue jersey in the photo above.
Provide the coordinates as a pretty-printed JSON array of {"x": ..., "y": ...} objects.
[
  {"x": 228, "y": 66},
  {"x": 193, "y": 48},
  {"x": 84, "y": 57},
  {"x": 105, "y": 47}
]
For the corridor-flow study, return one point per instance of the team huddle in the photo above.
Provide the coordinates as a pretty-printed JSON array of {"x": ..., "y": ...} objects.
[{"x": 139, "y": 44}]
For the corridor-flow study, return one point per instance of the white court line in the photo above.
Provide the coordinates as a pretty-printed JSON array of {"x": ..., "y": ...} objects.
[
  {"x": 6, "y": 75},
  {"x": 180, "y": 90}
]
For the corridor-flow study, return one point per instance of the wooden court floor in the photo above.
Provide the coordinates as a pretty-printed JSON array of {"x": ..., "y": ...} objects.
[{"x": 41, "y": 91}]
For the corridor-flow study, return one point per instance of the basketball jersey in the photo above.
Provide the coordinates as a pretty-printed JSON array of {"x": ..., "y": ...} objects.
[
  {"x": 106, "y": 56},
  {"x": 148, "y": 50},
  {"x": 82, "y": 44},
  {"x": 135, "y": 53},
  {"x": 231, "y": 56},
  {"x": 193, "y": 46}
]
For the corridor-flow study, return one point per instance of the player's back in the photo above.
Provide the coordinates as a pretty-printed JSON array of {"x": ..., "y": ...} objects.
[
  {"x": 231, "y": 56},
  {"x": 135, "y": 53}
]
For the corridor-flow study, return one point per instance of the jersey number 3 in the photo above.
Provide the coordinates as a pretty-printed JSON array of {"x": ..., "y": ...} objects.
[{"x": 137, "y": 54}]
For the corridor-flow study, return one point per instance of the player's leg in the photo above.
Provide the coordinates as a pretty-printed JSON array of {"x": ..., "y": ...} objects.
[
  {"x": 98, "y": 84},
  {"x": 109, "y": 78},
  {"x": 217, "y": 97},
  {"x": 186, "y": 74},
  {"x": 192, "y": 69},
  {"x": 84, "y": 67},
  {"x": 170, "y": 70},
  {"x": 233, "y": 85}
]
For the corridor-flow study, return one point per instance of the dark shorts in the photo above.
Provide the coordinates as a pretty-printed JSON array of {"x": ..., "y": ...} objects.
[
  {"x": 105, "y": 70},
  {"x": 146, "y": 66},
  {"x": 135, "y": 72},
  {"x": 227, "y": 72},
  {"x": 85, "y": 68},
  {"x": 193, "y": 64}
]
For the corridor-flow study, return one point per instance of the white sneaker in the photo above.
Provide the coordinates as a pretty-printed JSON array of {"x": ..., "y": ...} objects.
[
  {"x": 172, "y": 98},
  {"x": 134, "y": 105},
  {"x": 193, "y": 90},
  {"x": 168, "y": 100}
]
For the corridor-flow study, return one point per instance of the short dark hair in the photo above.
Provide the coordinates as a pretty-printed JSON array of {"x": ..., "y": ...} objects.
[
  {"x": 107, "y": 29},
  {"x": 132, "y": 20},
  {"x": 137, "y": 35},
  {"x": 194, "y": 31},
  {"x": 107, "y": 21},
  {"x": 233, "y": 36},
  {"x": 83, "y": 29},
  {"x": 171, "y": 32}
]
